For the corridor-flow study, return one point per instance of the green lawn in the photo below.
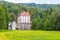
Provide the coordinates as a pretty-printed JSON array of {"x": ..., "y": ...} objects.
[{"x": 30, "y": 35}]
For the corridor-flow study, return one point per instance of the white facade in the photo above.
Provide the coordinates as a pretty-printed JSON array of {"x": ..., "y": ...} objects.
[
  {"x": 13, "y": 25},
  {"x": 23, "y": 21}
]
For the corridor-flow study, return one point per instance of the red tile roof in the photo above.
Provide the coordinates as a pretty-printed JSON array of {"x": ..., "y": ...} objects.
[{"x": 24, "y": 13}]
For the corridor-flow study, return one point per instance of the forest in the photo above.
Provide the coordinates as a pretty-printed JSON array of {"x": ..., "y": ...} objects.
[{"x": 42, "y": 18}]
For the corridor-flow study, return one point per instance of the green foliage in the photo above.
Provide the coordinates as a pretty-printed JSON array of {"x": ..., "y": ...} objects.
[
  {"x": 42, "y": 19},
  {"x": 49, "y": 19},
  {"x": 2, "y": 18}
]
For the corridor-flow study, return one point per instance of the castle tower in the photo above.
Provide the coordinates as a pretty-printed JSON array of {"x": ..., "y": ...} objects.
[{"x": 23, "y": 21}]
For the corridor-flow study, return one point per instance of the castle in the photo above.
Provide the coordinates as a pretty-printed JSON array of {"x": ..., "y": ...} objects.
[{"x": 23, "y": 22}]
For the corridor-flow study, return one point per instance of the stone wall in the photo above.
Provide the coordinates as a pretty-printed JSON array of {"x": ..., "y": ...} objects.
[{"x": 23, "y": 26}]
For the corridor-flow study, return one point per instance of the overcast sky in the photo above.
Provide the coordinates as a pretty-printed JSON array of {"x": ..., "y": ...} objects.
[{"x": 36, "y": 1}]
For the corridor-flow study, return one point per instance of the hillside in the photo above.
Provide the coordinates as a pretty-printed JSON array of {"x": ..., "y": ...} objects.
[
  {"x": 43, "y": 16},
  {"x": 42, "y": 6}
]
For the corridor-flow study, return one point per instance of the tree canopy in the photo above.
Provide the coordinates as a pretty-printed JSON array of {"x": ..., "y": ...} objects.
[{"x": 46, "y": 19}]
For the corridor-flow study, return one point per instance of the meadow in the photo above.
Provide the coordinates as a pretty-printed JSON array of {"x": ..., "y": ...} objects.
[{"x": 30, "y": 35}]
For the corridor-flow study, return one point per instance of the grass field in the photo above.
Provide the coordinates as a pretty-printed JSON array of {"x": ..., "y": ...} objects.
[{"x": 30, "y": 35}]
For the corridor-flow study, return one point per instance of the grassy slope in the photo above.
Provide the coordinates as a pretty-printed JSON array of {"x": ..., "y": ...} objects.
[{"x": 30, "y": 35}]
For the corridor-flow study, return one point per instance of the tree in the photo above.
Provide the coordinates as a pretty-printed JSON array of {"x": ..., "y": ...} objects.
[{"x": 2, "y": 18}]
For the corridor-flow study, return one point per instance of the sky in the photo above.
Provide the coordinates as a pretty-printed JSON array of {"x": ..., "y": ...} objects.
[{"x": 36, "y": 1}]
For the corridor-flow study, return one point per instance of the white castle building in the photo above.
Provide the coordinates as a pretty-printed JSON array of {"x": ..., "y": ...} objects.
[{"x": 23, "y": 22}]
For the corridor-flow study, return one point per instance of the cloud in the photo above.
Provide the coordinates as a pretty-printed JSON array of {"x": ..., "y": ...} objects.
[
  {"x": 36, "y": 1},
  {"x": 19, "y": 1}
]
